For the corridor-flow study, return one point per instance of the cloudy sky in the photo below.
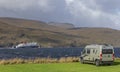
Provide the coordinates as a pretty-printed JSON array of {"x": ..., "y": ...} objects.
[{"x": 82, "y": 13}]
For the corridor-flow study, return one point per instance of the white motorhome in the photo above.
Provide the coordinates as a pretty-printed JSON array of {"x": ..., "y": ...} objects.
[{"x": 97, "y": 54}]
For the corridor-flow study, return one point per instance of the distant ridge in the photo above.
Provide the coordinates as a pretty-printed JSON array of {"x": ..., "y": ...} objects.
[
  {"x": 62, "y": 25},
  {"x": 26, "y": 23}
]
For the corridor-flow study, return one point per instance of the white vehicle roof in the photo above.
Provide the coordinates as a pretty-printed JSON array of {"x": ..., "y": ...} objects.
[{"x": 99, "y": 46}]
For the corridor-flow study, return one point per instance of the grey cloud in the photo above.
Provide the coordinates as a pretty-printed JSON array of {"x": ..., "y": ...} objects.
[
  {"x": 111, "y": 6},
  {"x": 91, "y": 13},
  {"x": 16, "y": 5},
  {"x": 82, "y": 13}
]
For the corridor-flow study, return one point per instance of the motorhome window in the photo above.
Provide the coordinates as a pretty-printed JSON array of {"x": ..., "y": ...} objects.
[
  {"x": 107, "y": 51},
  {"x": 93, "y": 51},
  {"x": 88, "y": 51},
  {"x": 83, "y": 51}
]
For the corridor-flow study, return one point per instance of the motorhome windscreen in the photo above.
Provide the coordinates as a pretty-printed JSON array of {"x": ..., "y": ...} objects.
[{"x": 107, "y": 51}]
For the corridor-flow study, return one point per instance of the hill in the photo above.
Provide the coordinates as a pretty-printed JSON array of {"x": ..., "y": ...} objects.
[
  {"x": 62, "y": 25},
  {"x": 97, "y": 35},
  {"x": 24, "y": 23},
  {"x": 13, "y": 31}
]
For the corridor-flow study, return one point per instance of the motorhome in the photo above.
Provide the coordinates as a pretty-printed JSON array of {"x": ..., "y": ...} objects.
[{"x": 97, "y": 54}]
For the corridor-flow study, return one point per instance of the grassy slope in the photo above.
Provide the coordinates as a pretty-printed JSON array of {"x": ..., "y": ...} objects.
[
  {"x": 97, "y": 35},
  {"x": 30, "y": 24},
  {"x": 59, "y": 67},
  {"x": 14, "y": 30},
  {"x": 10, "y": 33}
]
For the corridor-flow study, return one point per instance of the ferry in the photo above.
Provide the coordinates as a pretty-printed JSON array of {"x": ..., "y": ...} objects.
[{"x": 27, "y": 45}]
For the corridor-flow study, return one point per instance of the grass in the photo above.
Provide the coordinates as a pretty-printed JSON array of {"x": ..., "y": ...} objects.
[{"x": 60, "y": 67}]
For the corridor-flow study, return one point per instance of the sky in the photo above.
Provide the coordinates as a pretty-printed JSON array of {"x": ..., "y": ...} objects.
[{"x": 81, "y": 13}]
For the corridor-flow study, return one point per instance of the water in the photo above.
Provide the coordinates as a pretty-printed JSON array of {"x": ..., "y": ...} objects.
[{"x": 44, "y": 52}]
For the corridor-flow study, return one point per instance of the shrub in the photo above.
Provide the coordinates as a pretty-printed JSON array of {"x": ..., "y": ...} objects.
[{"x": 39, "y": 60}]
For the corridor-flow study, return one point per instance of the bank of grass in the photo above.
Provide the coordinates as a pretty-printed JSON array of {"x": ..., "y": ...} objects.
[
  {"x": 60, "y": 67},
  {"x": 39, "y": 60}
]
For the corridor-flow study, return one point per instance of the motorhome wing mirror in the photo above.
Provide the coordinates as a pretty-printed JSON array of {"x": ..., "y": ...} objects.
[{"x": 81, "y": 52}]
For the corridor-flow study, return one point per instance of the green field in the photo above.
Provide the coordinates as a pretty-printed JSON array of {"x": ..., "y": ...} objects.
[{"x": 59, "y": 67}]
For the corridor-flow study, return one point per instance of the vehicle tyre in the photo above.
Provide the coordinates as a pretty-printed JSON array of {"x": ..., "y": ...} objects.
[
  {"x": 97, "y": 63},
  {"x": 110, "y": 64}
]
